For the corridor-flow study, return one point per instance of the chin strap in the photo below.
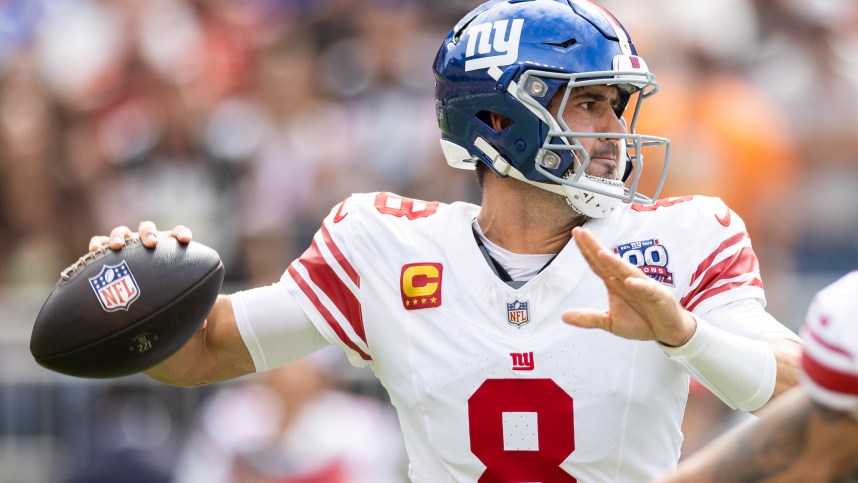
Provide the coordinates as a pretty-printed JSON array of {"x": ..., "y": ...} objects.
[
  {"x": 584, "y": 202},
  {"x": 502, "y": 166}
]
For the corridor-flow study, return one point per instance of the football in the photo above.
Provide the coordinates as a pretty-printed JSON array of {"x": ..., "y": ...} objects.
[{"x": 116, "y": 313}]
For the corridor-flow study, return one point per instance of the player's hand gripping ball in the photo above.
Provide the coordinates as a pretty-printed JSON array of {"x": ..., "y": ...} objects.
[{"x": 115, "y": 313}]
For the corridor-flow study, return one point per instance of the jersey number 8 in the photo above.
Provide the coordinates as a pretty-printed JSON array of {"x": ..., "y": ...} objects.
[{"x": 555, "y": 430}]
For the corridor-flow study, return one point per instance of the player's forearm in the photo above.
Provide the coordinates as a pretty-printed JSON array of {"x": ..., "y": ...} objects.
[
  {"x": 794, "y": 440},
  {"x": 788, "y": 359},
  {"x": 215, "y": 353}
]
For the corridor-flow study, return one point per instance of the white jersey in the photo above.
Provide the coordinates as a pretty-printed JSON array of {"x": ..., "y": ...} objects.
[
  {"x": 830, "y": 334},
  {"x": 489, "y": 384}
]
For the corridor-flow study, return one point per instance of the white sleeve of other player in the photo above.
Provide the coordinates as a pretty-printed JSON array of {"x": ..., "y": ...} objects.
[
  {"x": 273, "y": 326},
  {"x": 830, "y": 360}
]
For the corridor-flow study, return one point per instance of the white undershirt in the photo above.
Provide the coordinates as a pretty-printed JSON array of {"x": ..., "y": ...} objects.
[{"x": 520, "y": 267}]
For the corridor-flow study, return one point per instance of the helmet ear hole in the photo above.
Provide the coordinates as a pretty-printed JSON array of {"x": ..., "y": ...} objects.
[{"x": 496, "y": 122}]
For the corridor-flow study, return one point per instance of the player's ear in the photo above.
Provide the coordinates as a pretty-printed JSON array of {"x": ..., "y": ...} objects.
[{"x": 498, "y": 122}]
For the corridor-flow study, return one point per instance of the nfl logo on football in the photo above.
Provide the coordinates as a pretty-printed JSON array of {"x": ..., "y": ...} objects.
[
  {"x": 517, "y": 313},
  {"x": 115, "y": 287}
]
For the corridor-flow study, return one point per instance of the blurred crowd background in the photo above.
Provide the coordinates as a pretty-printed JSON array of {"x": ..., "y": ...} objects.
[{"x": 247, "y": 120}]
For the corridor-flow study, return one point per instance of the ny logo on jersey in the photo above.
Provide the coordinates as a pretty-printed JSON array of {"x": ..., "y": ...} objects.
[
  {"x": 517, "y": 313},
  {"x": 504, "y": 43},
  {"x": 649, "y": 256},
  {"x": 522, "y": 361},
  {"x": 420, "y": 285}
]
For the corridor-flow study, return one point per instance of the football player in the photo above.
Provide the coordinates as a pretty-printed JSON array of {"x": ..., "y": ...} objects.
[
  {"x": 458, "y": 309},
  {"x": 810, "y": 434}
]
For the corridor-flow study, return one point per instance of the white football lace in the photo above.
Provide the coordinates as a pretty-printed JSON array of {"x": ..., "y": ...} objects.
[{"x": 91, "y": 256}]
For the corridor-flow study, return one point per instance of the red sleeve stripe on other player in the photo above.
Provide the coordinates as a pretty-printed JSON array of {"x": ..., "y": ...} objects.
[
  {"x": 830, "y": 379},
  {"x": 326, "y": 314},
  {"x": 816, "y": 338},
  {"x": 329, "y": 283},
  {"x": 339, "y": 257}
]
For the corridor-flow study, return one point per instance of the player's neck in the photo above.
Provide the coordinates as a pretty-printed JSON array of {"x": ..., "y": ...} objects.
[{"x": 524, "y": 219}]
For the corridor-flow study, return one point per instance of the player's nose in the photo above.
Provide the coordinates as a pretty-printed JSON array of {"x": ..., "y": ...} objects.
[{"x": 610, "y": 123}]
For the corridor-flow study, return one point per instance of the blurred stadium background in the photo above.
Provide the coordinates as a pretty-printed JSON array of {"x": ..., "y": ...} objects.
[{"x": 248, "y": 120}]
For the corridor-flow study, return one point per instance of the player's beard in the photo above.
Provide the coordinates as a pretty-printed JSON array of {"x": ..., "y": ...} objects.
[{"x": 604, "y": 150}]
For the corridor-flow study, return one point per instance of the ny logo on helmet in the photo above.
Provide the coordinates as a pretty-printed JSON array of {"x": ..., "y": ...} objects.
[{"x": 504, "y": 42}]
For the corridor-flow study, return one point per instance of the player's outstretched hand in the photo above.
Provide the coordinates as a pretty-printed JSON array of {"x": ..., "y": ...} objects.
[
  {"x": 638, "y": 307},
  {"x": 149, "y": 234}
]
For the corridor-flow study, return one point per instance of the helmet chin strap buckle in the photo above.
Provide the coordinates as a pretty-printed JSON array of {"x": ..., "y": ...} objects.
[{"x": 499, "y": 164}]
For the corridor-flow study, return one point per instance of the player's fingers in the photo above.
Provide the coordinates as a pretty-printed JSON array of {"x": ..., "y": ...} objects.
[
  {"x": 148, "y": 233},
  {"x": 646, "y": 289},
  {"x": 118, "y": 236},
  {"x": 606, "y": 264},
  {"x": 182, "y": 233},
  {"x": 98, "y": 241},
  {"x": 586, "y": 242},
  {"x": 615, "y": 266},
  {"x": 586, "y": 319},
  {"x": 589, "y": 248}
]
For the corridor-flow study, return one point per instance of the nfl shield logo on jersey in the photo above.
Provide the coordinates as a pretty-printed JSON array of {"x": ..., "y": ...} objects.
[
  {"x": 115, "y": 287},
  {"x": 517, "y": 313}
]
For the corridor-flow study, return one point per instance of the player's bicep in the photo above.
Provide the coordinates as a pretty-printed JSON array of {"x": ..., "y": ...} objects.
[{"x": 273, "y": 327}]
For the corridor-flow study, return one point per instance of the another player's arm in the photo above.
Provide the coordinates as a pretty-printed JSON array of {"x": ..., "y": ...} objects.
[
  {"x": 795, "y": 439},
  {"x": 216, "y": 352}
]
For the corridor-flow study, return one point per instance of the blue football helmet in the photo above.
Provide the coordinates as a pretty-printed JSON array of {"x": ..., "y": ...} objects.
[{"x": 511, "y": 58}]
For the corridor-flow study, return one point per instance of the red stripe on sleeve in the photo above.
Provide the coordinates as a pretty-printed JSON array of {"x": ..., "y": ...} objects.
[
  {"x": 329, "y": 318},
  {"x": 743, "y": 262},
  {"x": 339, "y": 257},
  {"x": 831, "y": 379},
  {"x": 704, "y": 265},
  {"x": 330, "y": 283},
  {"x": 753, "y": 282}
]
